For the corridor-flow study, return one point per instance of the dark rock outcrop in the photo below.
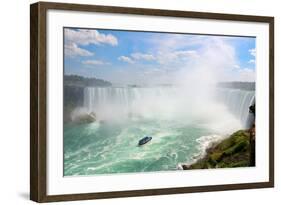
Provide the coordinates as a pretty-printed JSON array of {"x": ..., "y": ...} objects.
[
  {"x": 85, "y": 118},
  {"x": 73, "y": 97}
]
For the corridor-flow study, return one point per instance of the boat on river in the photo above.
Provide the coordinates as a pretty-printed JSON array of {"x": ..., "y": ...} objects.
[{"x": 144, "y": 140}]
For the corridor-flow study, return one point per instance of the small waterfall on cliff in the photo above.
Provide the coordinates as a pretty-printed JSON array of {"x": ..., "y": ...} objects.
[{"x": 238, "y": 102}]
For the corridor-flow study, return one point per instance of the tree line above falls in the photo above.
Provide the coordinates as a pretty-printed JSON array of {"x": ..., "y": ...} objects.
[
  {"x": 80, "y": 81},
  {"x": 238, "y": 85}
]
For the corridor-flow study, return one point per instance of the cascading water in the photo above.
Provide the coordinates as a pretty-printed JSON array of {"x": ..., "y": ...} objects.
[
  {"x": 238, "y": 102},
  {"x": 97, "y": 96},
  {"x": 127, "y": 99},
  {"x": 123, "y": 101}
]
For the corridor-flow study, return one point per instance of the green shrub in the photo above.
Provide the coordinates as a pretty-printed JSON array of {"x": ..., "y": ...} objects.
[{"x": 216, "y": 156}]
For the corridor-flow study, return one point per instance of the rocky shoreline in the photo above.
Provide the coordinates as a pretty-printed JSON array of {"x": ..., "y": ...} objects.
[{"x": 238, "y": 150}]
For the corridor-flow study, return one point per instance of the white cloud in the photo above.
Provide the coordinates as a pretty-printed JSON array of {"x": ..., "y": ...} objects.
[
  {"x": 95, "y": 62},
  {"x": 72, "y": 50},
  {"x": 253, "y": 52},
  {"x": 180, "y": 42},
  {"x": 86, "y": 37},
  {"x": 126, "y": 59},
  {"x": 185, "y": 53},
  {"x": 252, "y": 61},
  {"x": 161, "y": 57},
  {"x": 216, "y": 61},
  {"x": 247, "y": 74},
  {"x": 176, "y": 56},
  {"x": 236, "y": 66},
  {"x": 153, "y": 71},
  {"x": 209, "y": 60},
  {"x": 75, "y": 38},
  {"x": 143, "y": 56}
]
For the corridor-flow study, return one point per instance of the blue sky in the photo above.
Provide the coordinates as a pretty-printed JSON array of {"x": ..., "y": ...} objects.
[{"x": 129, "y": 57}]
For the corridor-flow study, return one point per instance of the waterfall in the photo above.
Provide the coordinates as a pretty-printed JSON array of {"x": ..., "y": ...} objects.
[
  {"x": 125, "y": 96},
  {"x": 238, "y": 102},
  {"x": 124, "y": 101},
  {"x": 95, "y": 97}
]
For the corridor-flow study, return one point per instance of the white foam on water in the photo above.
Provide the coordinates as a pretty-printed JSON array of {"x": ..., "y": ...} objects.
[{"x": 204, "y": 143}]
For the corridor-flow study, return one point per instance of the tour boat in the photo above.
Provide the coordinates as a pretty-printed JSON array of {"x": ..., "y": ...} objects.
[{"x": 145, "y": 140}]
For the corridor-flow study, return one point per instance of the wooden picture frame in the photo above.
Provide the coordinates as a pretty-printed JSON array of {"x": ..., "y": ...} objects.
[{"x": 39, "y": 96}]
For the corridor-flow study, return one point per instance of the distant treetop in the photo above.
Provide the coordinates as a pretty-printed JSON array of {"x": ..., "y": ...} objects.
[
  {"x": 238, "y": 85},
  {"x": 76, "y": 80}
]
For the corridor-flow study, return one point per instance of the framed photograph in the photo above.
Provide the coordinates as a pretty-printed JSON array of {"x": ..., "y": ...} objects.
[{"x": 134, "y": 102}]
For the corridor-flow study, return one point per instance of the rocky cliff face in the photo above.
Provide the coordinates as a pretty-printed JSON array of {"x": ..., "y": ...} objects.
[
  {"x": 73, "y": 95},
  {"x": 72, "y": 98}
]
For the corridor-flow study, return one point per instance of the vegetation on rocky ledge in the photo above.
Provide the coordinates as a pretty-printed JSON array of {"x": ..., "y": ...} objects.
[{"x": 234, "y": 151}]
